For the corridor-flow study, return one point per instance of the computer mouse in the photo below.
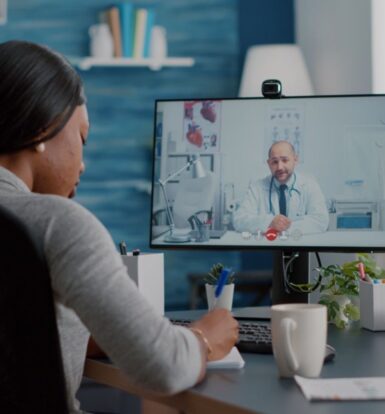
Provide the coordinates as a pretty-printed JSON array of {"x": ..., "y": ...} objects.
[{"x": 330, "y": 353}]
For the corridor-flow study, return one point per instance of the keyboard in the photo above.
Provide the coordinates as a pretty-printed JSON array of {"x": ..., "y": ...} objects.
[{"x": 254, "y": 335}]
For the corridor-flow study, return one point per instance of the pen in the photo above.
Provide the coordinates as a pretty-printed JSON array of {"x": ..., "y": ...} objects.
[
  {"x": 221, "y": 283},
  {"x": 123, "y": 248}
]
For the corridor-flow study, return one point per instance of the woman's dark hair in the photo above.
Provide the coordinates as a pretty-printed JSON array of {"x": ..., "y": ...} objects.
[{"x": 39, "y": 91}]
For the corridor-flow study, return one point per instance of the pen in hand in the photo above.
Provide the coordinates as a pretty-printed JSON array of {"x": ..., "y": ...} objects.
[{"x": 220, "y": 285}]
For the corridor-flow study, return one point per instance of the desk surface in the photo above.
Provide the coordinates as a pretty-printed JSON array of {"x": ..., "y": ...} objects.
[
  {"x": 257, "y": 388},
  {"x": 336, "y": 239}
]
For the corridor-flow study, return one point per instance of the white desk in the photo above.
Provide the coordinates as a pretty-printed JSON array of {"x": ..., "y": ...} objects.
[{"x": 329, "y": 239}]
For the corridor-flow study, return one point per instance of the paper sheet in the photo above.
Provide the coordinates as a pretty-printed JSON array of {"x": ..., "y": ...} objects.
[
  {"x": 233, "y": 360},
  {"x": 365, "y": 388}
]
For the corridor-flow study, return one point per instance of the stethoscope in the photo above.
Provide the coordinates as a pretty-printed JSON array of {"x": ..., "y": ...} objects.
[{"x": 290, "y": 191}]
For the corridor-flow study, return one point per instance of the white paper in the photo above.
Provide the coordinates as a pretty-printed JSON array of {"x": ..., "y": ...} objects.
[
  {"x": 365, "y": 388},
  {"x": 233, "y": 360}
]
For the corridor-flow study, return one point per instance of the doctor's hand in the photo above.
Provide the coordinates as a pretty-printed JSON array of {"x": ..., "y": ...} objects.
[
  {"x": 280, "y": 223},
  {"x": 221, "y": 331}
]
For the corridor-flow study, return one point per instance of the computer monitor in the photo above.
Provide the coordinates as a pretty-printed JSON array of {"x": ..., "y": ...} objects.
[{"x": 292, "y": 174}]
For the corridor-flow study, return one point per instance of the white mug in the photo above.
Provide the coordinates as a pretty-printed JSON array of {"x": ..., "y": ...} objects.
[{"x": 299, "y": 332}]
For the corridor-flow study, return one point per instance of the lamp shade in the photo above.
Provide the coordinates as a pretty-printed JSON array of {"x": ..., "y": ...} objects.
[
  {"x": 282, "y": 62},
  {"x": 198, "y": 170}
]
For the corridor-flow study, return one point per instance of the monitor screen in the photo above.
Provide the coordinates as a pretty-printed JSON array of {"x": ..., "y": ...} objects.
[{"x": 304, "y": 173}]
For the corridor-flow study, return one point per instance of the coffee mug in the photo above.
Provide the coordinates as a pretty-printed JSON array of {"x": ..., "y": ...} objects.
[{"x": 299, "y": 333}]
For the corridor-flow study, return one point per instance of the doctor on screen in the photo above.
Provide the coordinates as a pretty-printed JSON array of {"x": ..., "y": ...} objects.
[{"x": 284, "y": 200}]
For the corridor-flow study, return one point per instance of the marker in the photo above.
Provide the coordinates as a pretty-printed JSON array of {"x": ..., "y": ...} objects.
[
  {"x": 123, "y": 248},
  {"x": 220, "y": 285},
  {"x": 361, "y": 269}
]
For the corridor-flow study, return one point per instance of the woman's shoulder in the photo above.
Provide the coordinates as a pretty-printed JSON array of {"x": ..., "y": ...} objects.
[{"x": 59, "y": 211}]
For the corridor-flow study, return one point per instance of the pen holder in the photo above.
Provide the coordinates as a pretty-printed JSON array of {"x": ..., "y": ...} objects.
[
  {"x": 203, "y": 232},
  {"x": 225, "y": 300},
  {"x": 147, "y": 271},
  {"x": 372, "y": 306}
]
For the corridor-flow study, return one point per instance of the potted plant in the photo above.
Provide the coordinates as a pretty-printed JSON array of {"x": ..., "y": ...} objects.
[
  {"x": 225, "y": 300},
  {"x": 339, "y": 288}
]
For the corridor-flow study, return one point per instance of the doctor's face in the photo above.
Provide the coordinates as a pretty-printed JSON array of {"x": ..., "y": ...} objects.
[{"x": 282, "y": 161}]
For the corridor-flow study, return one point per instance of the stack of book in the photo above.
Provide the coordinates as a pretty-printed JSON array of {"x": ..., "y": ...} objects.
[{"x": 131, "y": 29}]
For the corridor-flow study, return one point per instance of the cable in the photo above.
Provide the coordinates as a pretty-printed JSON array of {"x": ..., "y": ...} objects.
[{"x": 292, "y": 287}]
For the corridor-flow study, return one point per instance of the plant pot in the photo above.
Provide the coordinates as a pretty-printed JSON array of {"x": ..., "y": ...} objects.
[
  {"x": 340, "y": 319},
  {"x": 225, "y": 300}
]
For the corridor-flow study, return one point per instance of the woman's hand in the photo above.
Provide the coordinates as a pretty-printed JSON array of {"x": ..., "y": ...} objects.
[{"x": 221, "y": 331}]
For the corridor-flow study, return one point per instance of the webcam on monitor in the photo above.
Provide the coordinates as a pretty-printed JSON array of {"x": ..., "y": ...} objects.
[{"x": 272, "y": 88}]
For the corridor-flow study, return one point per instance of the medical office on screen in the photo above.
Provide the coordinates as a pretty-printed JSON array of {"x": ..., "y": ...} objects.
[{"x": 339, "y": 140}]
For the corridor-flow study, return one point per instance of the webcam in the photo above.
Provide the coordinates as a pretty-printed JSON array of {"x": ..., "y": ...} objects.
[{"x": 272, "y": 88}]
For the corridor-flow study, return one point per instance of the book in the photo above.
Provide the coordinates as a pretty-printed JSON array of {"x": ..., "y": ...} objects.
[
  {"x": 233, "y": 360},
  {"x": 148, "y": 30},
  {"x": 127, "y": 14},
  {"x": 114, "y": 23},
  {"x": 140, "y": 32}
]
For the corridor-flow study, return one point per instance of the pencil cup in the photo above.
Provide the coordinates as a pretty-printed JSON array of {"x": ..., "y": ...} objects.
[
  {"x": 147, "y": 271},
  {"x": 225, "y": 300},
  {"x": 203, "y": 232},
  {"x": 372, "y": 306}
]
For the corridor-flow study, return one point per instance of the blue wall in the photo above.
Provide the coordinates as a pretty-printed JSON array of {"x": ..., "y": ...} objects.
[{"x": 120, "y": 102}]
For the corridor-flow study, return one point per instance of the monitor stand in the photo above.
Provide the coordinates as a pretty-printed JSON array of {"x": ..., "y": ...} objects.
[{"x": 298, "y": 271}]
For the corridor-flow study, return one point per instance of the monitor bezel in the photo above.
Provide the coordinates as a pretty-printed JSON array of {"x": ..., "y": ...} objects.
[{"x": 273, "y": 247}]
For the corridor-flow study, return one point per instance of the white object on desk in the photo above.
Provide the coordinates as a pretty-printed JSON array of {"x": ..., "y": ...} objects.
[
  {"x": 233, "y": 360},
  {"x": 147, "y": 271},
  {"x": 369, "y": 388},
  {"x": 299, "y": 338},
  {"x": 372, "y": 306}
]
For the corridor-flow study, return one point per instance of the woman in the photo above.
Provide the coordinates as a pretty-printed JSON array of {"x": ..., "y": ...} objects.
[{"x": 44, "y": 125}]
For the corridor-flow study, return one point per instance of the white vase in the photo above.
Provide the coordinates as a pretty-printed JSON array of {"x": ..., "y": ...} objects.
[
  {"x": 101, "y": 42},
  {"x": 158, "y": 43},
  {"x": 225, "y": 300}
]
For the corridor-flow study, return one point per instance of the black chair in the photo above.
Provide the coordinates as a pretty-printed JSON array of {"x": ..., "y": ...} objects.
[{"x": 31, "y": 369}]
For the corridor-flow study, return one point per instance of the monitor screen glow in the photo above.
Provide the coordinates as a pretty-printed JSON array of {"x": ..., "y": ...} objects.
[{"x": 301, "y": 173}]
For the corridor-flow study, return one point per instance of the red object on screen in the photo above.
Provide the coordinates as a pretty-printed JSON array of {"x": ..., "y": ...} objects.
[
  {"x": 194, "y": 135},
  {"x": 208, "y": 111},
  {"x": 271, "y": 234}
]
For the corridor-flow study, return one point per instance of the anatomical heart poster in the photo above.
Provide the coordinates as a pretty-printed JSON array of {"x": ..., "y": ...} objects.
[{"x": 201, "y": 126}]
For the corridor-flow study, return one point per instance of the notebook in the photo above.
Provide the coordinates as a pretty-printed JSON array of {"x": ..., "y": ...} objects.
[
  {"x": 371, "y": 388},
  {"x": 233, "y": 360}
]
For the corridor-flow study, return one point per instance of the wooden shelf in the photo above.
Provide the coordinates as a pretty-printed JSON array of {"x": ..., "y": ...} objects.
[{"x": 86, "y": 63}]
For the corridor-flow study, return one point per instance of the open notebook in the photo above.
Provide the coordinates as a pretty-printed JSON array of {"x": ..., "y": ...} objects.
[{"x": 233, "y": 360}]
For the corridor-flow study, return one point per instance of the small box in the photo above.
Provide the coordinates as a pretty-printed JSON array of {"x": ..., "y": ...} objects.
[
  {"x": 147, "y": 271},
  {"x": 372, "y": 305}
]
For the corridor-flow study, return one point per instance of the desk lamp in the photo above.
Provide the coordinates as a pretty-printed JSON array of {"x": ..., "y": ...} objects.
[
  {"x": 284, "y": 62},
  {"x": 198, "y": 171}
]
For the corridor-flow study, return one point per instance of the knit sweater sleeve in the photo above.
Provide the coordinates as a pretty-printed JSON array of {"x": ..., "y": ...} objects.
[{"x": 89, "y": 276}]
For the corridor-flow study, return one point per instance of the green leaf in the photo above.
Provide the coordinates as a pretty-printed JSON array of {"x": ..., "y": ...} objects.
[
  {"x": 352, "y": 312},
  {"x": 340, "y": 324}
]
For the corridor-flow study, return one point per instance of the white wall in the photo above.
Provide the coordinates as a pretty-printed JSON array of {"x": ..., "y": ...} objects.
[
  {"x": 344, "y": 48},
  {"x": 378, "y": 46},
  {"x": 335, "y": 36}
]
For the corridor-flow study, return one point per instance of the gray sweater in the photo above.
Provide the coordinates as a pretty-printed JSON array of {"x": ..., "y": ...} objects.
[{"x": 93, "y": 293}]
